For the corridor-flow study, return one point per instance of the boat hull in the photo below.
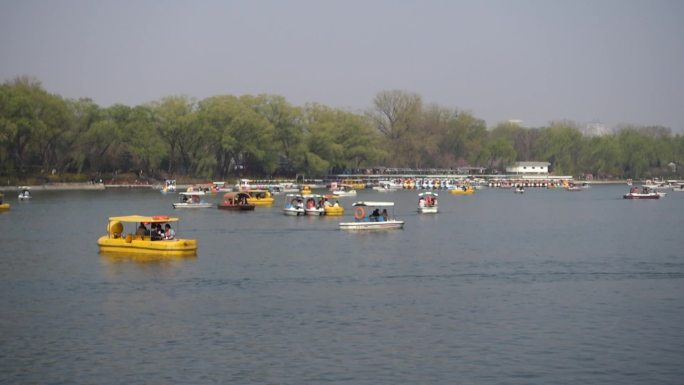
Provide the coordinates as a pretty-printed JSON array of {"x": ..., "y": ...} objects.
[
  {"x": 641, "y": 196},
  {"x": 260, "y": 202},
  {"x": 191, "y": 205},
  {"x": 4, "y": 206},
  {"x": 386, "y": 225},
  {"x": 315, "y": 211},
  {"x": 334, "y": 211},
  {"x": 291, "y": 211},
  {"x": 428, "y": 210},
  {"x": 247, "y": 207},
  {"x": 145, "y": 246}
]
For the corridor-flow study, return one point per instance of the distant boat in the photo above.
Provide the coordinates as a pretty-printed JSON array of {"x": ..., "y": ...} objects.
[
  {"x": 427, "y": 203},
  {"x": 643, "y": 193},
  {"x": 294, "y": 205},
  {"x": 24, "y": 193},
  {"x": 373, "y": 221},
  {"x": 191, "y": 200},
  {"x": 169, "y": 186},
  {"x": 3, "y": 206},
  {"x": 235, "y": 201}
]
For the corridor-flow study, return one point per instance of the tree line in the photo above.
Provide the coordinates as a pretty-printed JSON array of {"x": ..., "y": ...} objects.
[{"x": 229, "y": 136}]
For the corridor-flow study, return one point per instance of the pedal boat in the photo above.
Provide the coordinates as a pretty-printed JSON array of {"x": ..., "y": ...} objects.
[
  {"x": 24, "y": 193},
  {"x": 260, "y": 197},
  {"x": 235, "y": 201},
  {"x": 369, "y": 222},
  {"x": 427, "y": 203},
  {"x": 313, "y": 204},
  {"x": 643, "y": 193},
  {"x": 191, "y": 200},
  {"x": 463, "y": 190},
  {"x": 294, "y": 205},
  {"x": 119, "y": 242},
  {"x": 3, "y": 206},
  {"x": 343, "y": 190},
  {"x": 334, "y": 211},
  {"x": 169, "y": 186}
]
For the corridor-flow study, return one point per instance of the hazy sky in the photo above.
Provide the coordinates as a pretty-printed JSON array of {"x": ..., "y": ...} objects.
[{"x": 609, "y": 61}]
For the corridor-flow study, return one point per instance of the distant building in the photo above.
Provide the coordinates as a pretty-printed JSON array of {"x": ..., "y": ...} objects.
[
  {"x": 529, "y": 168},
  {"x": 595, "y": 129}
]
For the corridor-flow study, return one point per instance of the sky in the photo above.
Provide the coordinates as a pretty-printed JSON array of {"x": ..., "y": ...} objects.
[{"x": 612, "y": 62}]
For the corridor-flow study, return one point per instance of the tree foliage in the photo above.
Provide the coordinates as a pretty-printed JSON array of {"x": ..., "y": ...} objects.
[{"x": 264, "y": 135}]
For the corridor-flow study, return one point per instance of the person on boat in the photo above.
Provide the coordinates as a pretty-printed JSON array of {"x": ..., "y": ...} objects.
[
  {"x": 337, "y": 204},
  {"x": 142, "y": 230},
  {"x": 384, "y": 215},
  {"x": 421, "y": 202},
  {"x": 185, "y": 199},
  {"x": 157, "y": 232},
  {"x": 375, "y": 215},
  {"x": 169, "y": 233}
]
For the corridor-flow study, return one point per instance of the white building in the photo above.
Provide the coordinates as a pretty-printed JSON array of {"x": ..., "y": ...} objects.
[{"x": 529, "y": 168}]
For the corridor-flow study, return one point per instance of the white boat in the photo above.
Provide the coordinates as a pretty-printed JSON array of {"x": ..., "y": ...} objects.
[
  {"x": 388, "y": 185},
  {"x": 288, "y": 187},
  {"x": 373, "y": 221},
  {"x": 314, "y": 204},
  {"x": 191, "y": 200},
  {"x": 342, "y": 190},
  {"x": 656, "y": 185},
  {"x": 294, "y": 205},
  {"x": 644, "y": 193},
  {"x": 519, "y": 190},
  {"x": 169, "y": 186},
  {"x": 427, "y": 203},
  {"x": 679, "y": 187},
  {"x": 24, "y": 193}
]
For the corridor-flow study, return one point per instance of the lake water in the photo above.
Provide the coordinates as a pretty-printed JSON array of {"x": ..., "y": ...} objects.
[{"x": 547, "y": 287}]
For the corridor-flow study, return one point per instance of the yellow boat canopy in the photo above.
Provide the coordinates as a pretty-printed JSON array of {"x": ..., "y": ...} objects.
[{"x": 141, "y": 218}]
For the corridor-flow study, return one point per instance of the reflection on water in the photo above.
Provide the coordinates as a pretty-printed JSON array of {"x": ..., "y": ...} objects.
[
  {"x": 547, "y": 287},
  {"x": 115, "y": 258}
]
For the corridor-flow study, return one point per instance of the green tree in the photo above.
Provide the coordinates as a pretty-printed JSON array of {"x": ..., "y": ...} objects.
[
  {"x": 288, "y": 129},
  {"x": 174, "y": 120},
  {"x": 560, "y": 145}
]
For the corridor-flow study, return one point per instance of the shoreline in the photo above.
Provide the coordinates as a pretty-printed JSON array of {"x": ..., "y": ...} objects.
[{"x": 66, "y": 186}]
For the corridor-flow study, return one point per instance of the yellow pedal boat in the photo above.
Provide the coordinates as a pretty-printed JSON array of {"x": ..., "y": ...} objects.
[
  {"x": 3, "y": 206},
  {"x": 140, "y": 242},
  {"x": 260, "y": 197},
  {"x": 334, "y": 210},
  {"x": 462, "y": 190}
]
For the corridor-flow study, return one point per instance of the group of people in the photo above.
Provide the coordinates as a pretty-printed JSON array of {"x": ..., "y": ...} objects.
[
  {"x": 322, "y": 202},
  {"x": 376, "y": 215},
  {"x": 311, "y": 203},
  {"x": 156, "y": 233},
  {"x": 427, "y": 201}
]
